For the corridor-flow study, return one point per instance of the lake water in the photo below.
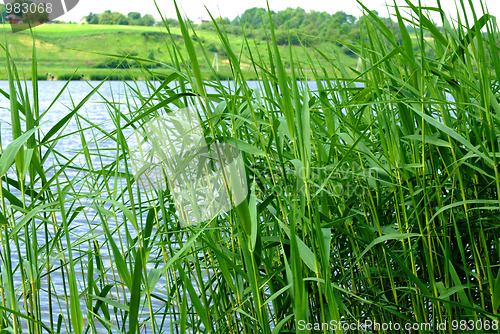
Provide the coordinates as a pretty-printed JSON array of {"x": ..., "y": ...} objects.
[{"x": 95, "y": 111}]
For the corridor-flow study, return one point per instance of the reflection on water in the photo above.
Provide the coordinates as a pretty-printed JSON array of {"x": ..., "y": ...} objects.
[{"x": 87, "y": 233}]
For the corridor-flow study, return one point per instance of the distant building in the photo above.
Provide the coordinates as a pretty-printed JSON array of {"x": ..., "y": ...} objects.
[
  {"x": 83, "y": 20},
  {"x": 200, "y": 20},
  {"x": 14, "y": 19}
]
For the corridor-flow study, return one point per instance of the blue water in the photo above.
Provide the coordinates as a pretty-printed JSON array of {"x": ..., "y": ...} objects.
[{"x": 95, "y": 111}]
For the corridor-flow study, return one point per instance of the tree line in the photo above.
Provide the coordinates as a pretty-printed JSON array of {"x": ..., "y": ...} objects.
[
  {"x": 108, "y": 17},
  {"x": 296, "y": 26},
  {"x": 132, "y": 18},
  {"x": 293, "y": 26}
]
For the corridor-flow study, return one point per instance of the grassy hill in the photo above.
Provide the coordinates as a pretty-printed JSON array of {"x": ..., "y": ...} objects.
[{"x": 63, "y": 48}]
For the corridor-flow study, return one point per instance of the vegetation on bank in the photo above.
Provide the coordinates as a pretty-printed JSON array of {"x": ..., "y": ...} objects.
[
  {"x": 374, "y": 197},
  {"x": 61, "y": 48},
  {"x": 64, "y": 47},
  {"x": 293, "y": 25},
  {"x": 132, "y": 18}
]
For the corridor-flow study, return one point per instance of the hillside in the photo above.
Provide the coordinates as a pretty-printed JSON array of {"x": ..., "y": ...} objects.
[{"x": 62, "y": 48}]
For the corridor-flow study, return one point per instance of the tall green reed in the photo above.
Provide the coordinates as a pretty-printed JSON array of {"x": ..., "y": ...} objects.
[{"x": 372, "y": 197}]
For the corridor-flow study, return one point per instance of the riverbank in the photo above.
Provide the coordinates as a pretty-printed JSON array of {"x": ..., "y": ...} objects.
[{"x": 64, "y": 49}]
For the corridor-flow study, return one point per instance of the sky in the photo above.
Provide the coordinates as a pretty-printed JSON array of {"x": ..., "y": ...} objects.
[{"x": 232, "y": 8}]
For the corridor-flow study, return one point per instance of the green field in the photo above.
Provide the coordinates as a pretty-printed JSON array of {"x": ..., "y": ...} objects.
[{"x": 62, "y": 48}]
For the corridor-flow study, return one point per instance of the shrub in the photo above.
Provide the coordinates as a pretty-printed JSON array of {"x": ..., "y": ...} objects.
[
  {"x": 68, "y": 76},
  {"x": 111, "y": 77}
]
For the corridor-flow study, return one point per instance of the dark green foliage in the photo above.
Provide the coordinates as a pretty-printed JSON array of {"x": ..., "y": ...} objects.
[
  {"x": 296, "y": 26},
  {"x": 92, "y": 18},
  {"x": 68, "y": 76},
  {"x": 155, "y": 36},
  {"x": 112, "y": 76},
  {"x": 134, "y": 15},
  {"x": 115, "y": 18},
  {"x": 41, "y": 77},
  {"x": 212, "y": 47},
  {"x": 147, "y": 20},
  {"x": 122, "y": 63},
  {"x": 3, "y": 12},
  {"x": 113, "y": 63},
  {"x": 169, "y": 22},
  {"x": 109, "y": 17}
]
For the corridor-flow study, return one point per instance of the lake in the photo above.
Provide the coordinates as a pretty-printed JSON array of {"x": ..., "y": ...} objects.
[{"x": 94, "y": 111}]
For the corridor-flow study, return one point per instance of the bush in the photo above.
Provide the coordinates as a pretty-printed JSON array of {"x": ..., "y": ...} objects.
[
  {"x": 221, "y": 76},
  {"x": 158, "y": 77},
  {"x": 212, "y": 47},
  {"x": 68, "y": 76},
  {"x": 41, "y": 77},
  {"x": 152, "y": 34},
  {"x": 195, "y": 38},
  {"x": 111, "y": 77},
  {"x": 113, "y": 63}
]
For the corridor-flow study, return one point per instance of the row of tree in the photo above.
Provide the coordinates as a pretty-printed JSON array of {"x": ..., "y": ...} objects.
[
  {"x": 293, "y": 26},
  {"x": 297, "y": 26},
  {"x": 254, "y": 21},
  {"x": 132, "y": 18}
]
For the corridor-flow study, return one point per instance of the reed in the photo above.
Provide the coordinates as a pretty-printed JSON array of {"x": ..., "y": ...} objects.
[{"x": 373, "y": 197}]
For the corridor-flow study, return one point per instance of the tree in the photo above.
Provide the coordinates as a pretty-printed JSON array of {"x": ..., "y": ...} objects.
[
  {"x": 119, "y": 18},
  {"x": 92, "y": 18},
  {"x": 147, "y": 20},
  {"x": 170, "y": 22},
  {"x": 134, "y": 15},
  {"x": 252, "y": 17},
  {"x": 106, "y": 18},
  {"x": 109, "y": 17},
  {"x": 38, "y": 16}
]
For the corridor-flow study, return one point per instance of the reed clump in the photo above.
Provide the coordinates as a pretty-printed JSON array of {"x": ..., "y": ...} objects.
[{"x": 373, "y": 192}]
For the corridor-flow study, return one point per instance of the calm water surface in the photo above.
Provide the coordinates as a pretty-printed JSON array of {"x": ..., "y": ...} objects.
[{"x": 96, "y": 112}]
